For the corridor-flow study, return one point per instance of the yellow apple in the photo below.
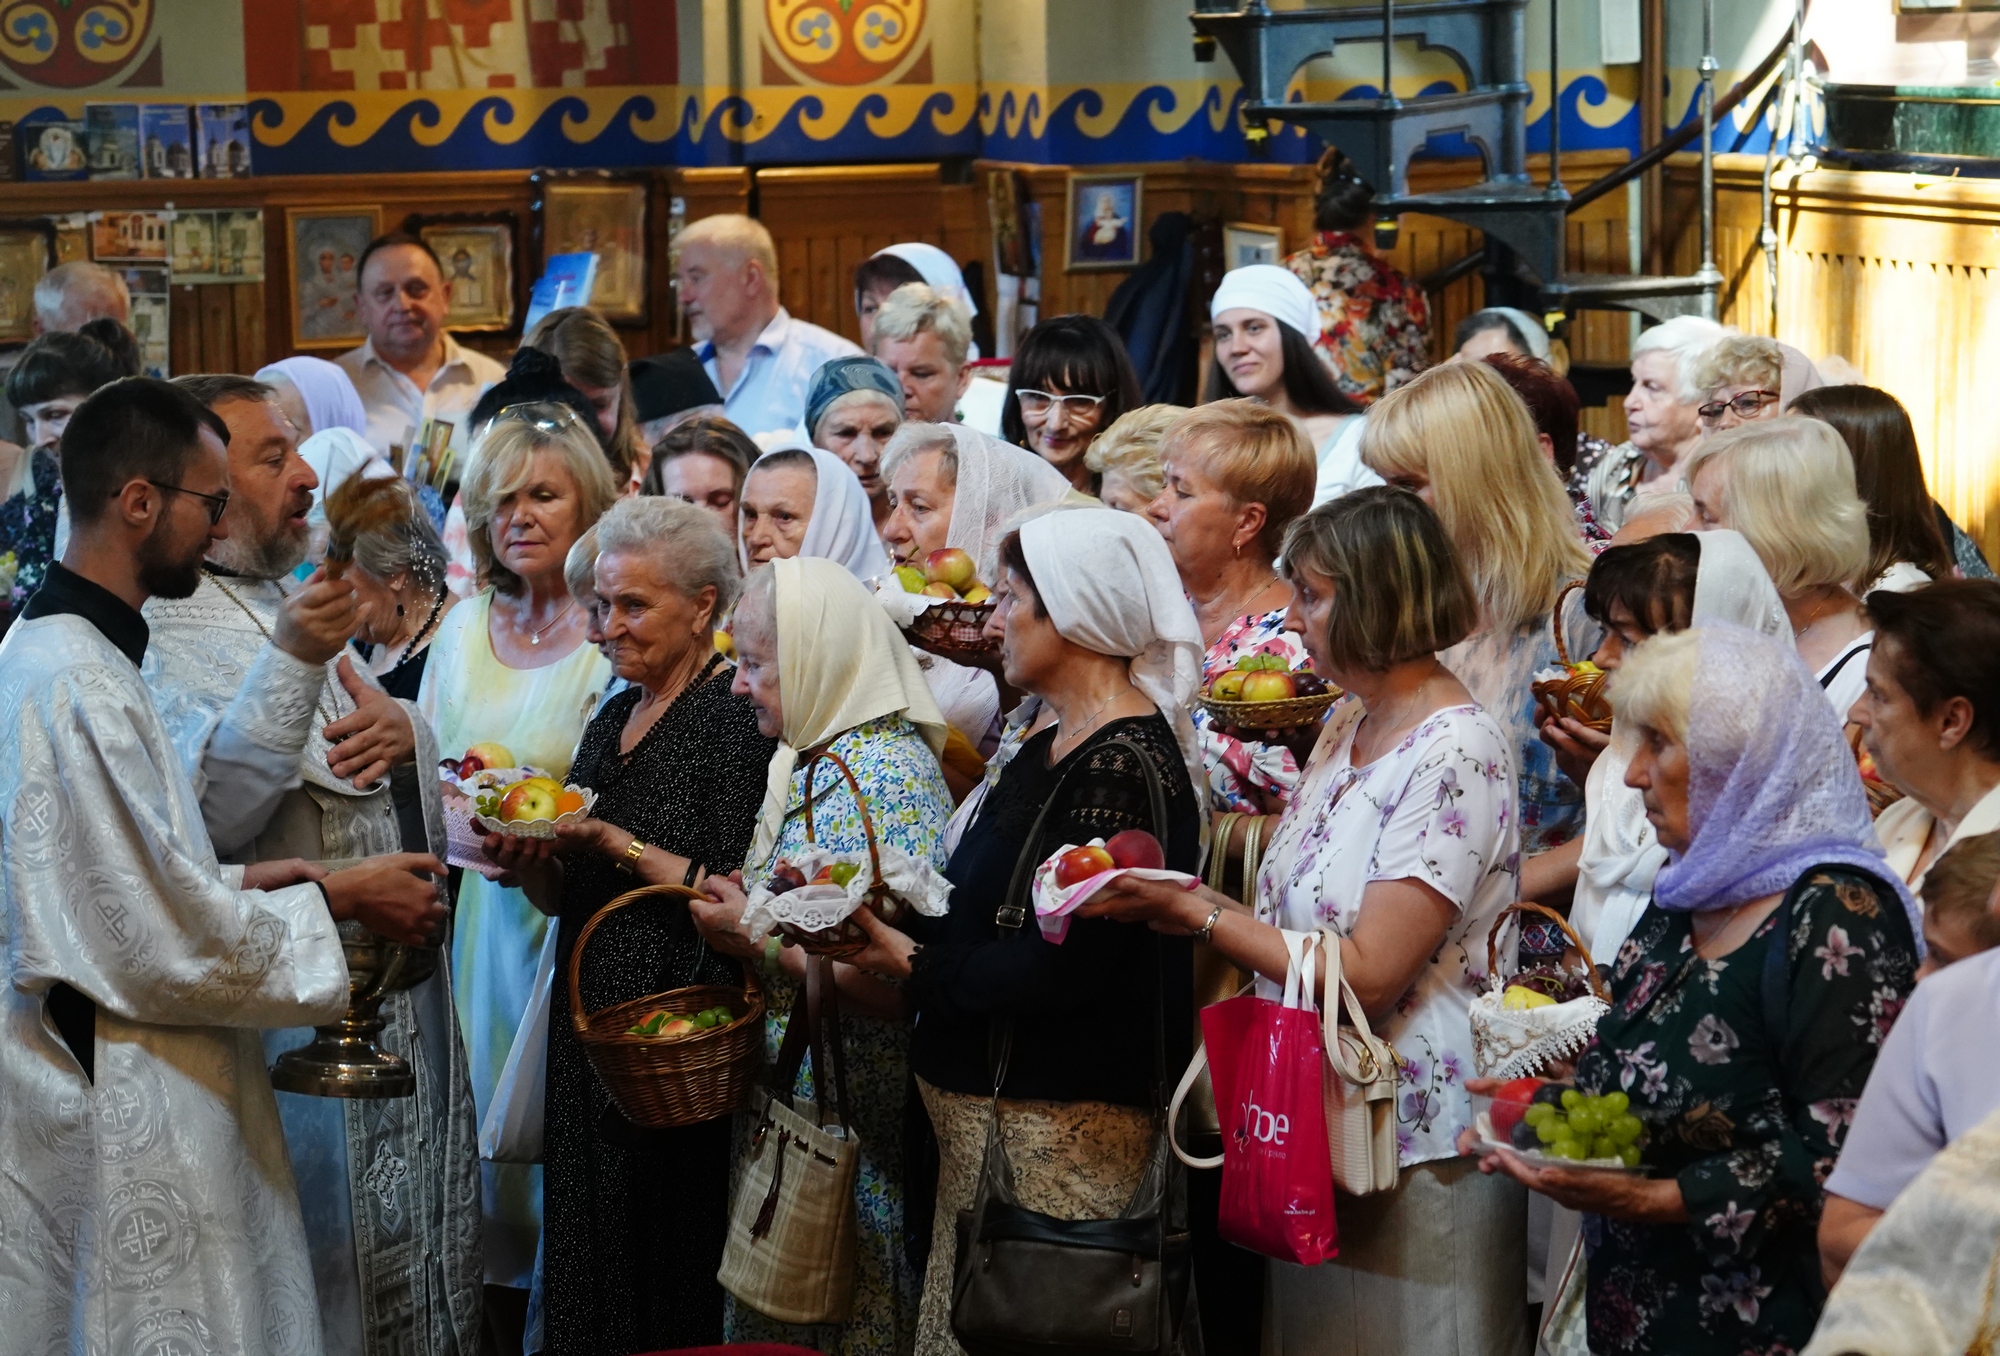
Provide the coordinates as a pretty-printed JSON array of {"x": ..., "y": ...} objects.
[{"x": 978, "y": 594}]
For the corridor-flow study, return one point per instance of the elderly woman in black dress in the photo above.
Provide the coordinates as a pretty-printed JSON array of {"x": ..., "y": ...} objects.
[{"x": 634, "y": 1219}]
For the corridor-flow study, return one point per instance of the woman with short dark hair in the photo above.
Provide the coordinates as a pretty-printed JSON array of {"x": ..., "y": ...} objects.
[
  {"x": 703, "y": 462},
  {"x": 1070, "y": 380}
]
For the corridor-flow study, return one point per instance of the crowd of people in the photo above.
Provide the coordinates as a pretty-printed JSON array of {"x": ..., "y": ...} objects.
[{"x": 679, "y": 584}]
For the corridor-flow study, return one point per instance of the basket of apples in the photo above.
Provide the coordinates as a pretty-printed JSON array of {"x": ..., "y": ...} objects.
[
  {"x": 1072, "y": 874},
  {"x": 957, "y": 620},
  {"x": 1572, "y": 690},
  {"x": 1263, "y": 693}
]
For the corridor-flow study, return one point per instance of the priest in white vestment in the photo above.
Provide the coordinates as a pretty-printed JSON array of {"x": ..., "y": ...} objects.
[
  {"x": 145, "y": 1196},
  {"x": 250, "y": 678}
]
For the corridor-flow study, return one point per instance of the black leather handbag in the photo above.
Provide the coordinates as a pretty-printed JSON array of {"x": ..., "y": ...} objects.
[{"x": 1029, "y": 1284}]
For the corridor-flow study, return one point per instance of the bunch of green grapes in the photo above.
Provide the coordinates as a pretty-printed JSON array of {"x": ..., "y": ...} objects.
[{"x": 1565, "y": 1123}]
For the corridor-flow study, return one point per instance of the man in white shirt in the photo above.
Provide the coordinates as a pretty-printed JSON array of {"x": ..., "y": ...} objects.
[
  {"x": 410, "y": 370},
  {"x": 758, "y": 356}
]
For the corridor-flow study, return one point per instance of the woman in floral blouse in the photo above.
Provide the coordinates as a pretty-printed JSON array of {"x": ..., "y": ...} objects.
[
  {"x": 1402, "y": 841},
  {"x": 1748, "y": 1005},
  {"x": 1374, "y": 323}
]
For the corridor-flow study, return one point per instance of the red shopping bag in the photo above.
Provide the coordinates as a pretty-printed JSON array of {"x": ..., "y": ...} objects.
[{"x": 1265, "y": 1063}]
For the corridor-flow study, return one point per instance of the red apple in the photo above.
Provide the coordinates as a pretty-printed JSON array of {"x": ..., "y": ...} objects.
[
  {"x": 1510, "y": 1103},
  {"x": 1079, "y": 864},
  {"x": 1268, "y": 685},
  {"x": 950, "y": 566},
  {"x": 1136, "y": 848}
]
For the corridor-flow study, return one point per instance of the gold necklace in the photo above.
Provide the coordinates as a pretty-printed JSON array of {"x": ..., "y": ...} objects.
[
  {"x": 535, "y": 637},
  {"x": 229, "y": 593}
]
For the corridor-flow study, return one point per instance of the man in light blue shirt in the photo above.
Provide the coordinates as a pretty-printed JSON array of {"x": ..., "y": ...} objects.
[{"x": 756, "y": 353}]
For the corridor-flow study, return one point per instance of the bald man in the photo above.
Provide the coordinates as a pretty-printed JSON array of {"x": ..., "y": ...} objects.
[{"x": 70, "y": 296}]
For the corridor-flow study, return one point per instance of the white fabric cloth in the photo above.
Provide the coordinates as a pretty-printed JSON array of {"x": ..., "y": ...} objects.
[
  {"x": 397, "y": 409},
  {"x": 941, "y": 272},
  {"x": 1341, "y": 470},
  {"x": 1109, "y": 584},
  {"x": 337, "y": 453},
  {"x": 1532, "y": 330},
  {"x": 842, "y": 528},
  {"x": 996, "y": 481},
  {"x": 248, "y": 722},
  {"x": 841, "y": 662},
  {"x": 968, "y": 697},
  {"x": 151, "y": 1208},
  {"x": 1440, "y": 808},
  {"x": 1905, "y": 830},
  {"x": 1277, "y": 292},
  {"x": 1620, "y": 854},
  {"x": 1900, "y": 577}
]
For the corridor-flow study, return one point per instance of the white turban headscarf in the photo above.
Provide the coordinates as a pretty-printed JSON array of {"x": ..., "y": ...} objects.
[
  {"x": 1108, "y": 583},
  {"x": 996, "y": 482},
  {"x": 841, "y": 663},
  {"x": 1277, "y": 292}
]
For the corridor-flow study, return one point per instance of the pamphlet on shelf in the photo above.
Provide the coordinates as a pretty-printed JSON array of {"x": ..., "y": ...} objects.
[{"x": 567, "y": 280}]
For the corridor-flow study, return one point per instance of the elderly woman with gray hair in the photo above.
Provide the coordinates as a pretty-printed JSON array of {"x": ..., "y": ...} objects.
[
  {"x": 399, "y": 586},
  {"x": 633, "y": 1219},
  {"x": 1660, "y": 418}
]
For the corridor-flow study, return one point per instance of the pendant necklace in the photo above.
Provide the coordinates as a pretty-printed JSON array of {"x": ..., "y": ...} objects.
[{"x": 535, "y": 637}]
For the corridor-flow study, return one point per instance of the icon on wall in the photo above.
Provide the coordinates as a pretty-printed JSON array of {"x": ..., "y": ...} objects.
[
  {"x": 476, "y": 253},
  {"x": 1245, "y": 243},
  {"x": 1103, "y": 221},
  {"x": 126, "y": 237},
  {"x": 221, "y": 246},
  {"x": 604, "y": 215},
  {"x": 327, "y": 244}
]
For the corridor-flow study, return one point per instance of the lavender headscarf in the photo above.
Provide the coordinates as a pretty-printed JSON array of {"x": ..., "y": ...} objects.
[{"x": 1772, "y": 787}]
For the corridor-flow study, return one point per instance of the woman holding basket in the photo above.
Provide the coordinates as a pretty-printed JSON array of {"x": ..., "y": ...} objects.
[
  {"x": 1402, "y": 840},
  {"x": 832, "y": 679}
]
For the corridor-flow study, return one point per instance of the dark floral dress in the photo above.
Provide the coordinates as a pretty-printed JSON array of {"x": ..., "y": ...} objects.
[
  {"x": 28, "y": 528},
  {"x": 1749, "y": 1121}
]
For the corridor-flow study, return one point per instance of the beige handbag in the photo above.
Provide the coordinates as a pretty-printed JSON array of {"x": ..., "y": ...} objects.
[
  {"x": 790, "y": 1252},
  {"x": 1361, "y": 1091}
]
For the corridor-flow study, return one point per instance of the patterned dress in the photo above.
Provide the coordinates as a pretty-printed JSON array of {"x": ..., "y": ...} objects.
[
  {"x": 1375, "y": 325},
  {"x": 1238, "y": 768},
  {"x": 1748, "y": 1120},
  {"x": 909, "y": 804},
  {"x": 636, "y": 1217},
  {"x": 28, "y": 527}
]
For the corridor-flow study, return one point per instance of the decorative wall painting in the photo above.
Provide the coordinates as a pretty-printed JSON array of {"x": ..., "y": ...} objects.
[{"x": 327, "y": 244}]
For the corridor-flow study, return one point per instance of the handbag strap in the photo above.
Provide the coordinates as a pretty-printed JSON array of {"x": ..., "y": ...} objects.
[
  {"x": 815, "y": 1023},
  {"x": 1340, "y": 995}
]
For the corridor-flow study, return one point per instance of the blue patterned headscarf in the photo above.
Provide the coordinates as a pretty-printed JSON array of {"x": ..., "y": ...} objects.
[{"x": 844, "y": 376}]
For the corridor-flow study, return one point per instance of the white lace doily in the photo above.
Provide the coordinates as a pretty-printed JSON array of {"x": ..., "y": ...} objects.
[
  {"x": 816, "y": 908},
  {"x": 1517, "y": 1042},
  {"x": 902, "y": 606}
]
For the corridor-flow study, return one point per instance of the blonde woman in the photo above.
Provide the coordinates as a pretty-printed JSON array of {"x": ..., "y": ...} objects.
[
  {"x": 924, "y": 338},
  {"x": 514, "y": 666},
  {"x": 1126, "y": 457},
  {"x": 1460, "y": 438},
  {"x": 1788, "y": 487},
  {"x": 593, "y": 361}
]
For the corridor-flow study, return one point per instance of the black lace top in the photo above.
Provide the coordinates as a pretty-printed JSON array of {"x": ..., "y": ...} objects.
[{"x": 1084, "y": 1012}]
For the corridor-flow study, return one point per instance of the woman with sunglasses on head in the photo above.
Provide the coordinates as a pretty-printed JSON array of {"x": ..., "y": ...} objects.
[
  {"x": 514, "y": 667},
  {"x": 1071, "y": 380},
  {"x": 1264, "y": 320}
]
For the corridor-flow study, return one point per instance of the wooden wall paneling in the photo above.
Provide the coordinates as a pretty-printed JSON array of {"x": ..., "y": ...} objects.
[
  {"x": 218, "y": 331},
  {"x": 184, "y": 353},
  {"x": 246, "y": 304}
]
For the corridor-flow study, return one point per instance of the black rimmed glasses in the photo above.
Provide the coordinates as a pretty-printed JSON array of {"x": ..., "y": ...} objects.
[
  {"x": 1039, "y": 403},
  {"x": 215, "y": 503},
  {"x": 1746, "y": 406}
]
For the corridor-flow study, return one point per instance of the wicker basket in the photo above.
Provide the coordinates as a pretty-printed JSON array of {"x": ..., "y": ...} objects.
[
  {"x": 1515, "y": 1043},
  {"x": 1576, "y": 949},
  {"x": 848, "y": 938},
  {"x": 1284, "y": 714},
  {"x": 1578, "y": 696},
  {"x": 955, "y": 626},
  {"x": 661, "y": 1084}
]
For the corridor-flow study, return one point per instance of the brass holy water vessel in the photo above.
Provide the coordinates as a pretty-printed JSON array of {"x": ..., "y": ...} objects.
[{"x": 346, "y": 1058}]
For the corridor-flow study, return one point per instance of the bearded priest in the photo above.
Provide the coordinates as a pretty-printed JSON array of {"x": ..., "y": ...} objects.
[
  {"x": 144, "y": 1188},
  {"x": 293, "y": 754}
]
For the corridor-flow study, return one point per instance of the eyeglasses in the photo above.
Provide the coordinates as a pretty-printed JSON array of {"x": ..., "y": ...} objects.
[
  {"x": 216, "y": 502},
  {"x": 1038, "y": 402},
  {"x": 546, "y": 415},
  {"x": 1745, "y": 405}
]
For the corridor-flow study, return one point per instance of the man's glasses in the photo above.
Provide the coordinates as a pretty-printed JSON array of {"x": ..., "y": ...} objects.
[
  {"x": 1040, "y": 402},
  {"x": 216, "y": 503},
  {"x": 1745, "y": 405}
]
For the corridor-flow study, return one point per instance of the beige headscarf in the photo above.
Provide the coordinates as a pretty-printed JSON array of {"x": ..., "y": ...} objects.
[{"x": 841, "y": 663}]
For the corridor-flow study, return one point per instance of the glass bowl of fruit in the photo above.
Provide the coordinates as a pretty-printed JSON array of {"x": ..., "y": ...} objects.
[
  {"x": 1556, "y": 1125},
  {"x": 957, "y": 620},
  {"x": 1263, "y": 693}
]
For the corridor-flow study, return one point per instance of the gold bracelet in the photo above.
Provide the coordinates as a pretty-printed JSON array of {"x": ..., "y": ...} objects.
[{"x": 633, "y": 852}]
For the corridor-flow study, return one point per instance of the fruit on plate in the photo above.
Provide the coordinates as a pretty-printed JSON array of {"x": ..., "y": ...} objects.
[
  {"x": 950, "y": 566},
  {"x": 1519, "y": 998},
  {"x": 528, "y": 800},
  {"x": 1081, "y": 863},
  {"x": 1510, "y": 1103},
  {"x": 940, "y": 589},
  {"x": 785, "y": 878},
  {"x": 1306, "y": 683},
  {"x": 1228, "y": 687},
  {"x": 1135, "y": 848},
  {"x": 482, "y": 756},
  {"x": 1268, "y": 685},
  {"x": 1580, "y": 1127},
  {"x": 837, "y": 873}
]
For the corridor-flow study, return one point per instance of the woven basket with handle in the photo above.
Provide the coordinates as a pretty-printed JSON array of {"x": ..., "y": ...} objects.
[
  {"x": 847, "y": 938},
  {"x": 1578, "y": 696},
  {"x": 1576, "y": 956},
  {"x": 664, "y": 1083}
]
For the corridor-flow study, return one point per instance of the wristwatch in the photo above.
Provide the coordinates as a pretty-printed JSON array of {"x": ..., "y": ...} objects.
[{"x": 633, "y": 852}]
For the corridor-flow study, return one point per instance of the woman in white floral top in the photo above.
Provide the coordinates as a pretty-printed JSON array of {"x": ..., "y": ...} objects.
[{"x": 1402, "y": 839}]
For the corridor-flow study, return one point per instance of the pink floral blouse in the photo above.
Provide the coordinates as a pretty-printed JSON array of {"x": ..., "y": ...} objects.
[{"x": 1238, "y": 768}]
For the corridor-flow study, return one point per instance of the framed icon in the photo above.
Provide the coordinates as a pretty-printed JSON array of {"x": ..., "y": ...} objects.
[
  {"x": 327, "y": 244},
  {"x": 27, "y": 251},
  {"x": 1245, "y": 243},
  {"x": 1104, "y": 222},
  {"x": 476, "y": 252},
  {"x": 603, "y": 214}
]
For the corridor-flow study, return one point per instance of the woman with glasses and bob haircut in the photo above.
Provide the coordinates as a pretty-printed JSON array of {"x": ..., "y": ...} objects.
[
  {"x": 1071, "y": 380},
  {"x": 1745, "y": 377},
  {"x": 1401, "y": 841},
  {"x": 513, "y": 666}
]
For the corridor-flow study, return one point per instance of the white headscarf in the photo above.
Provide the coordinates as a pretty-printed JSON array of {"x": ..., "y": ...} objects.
[
  {"x": 1108, "y": 583},
  {"x": 335, "y": 454},
  {"x": 996, "y": 481},
  {"x": 1277, "y": 292},
  {"x": 1620, "y": 854},
  {"x": 842, "y": 526},
  {"x": 841, "y": 663},
  {"x": 941, "y": 274}
]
